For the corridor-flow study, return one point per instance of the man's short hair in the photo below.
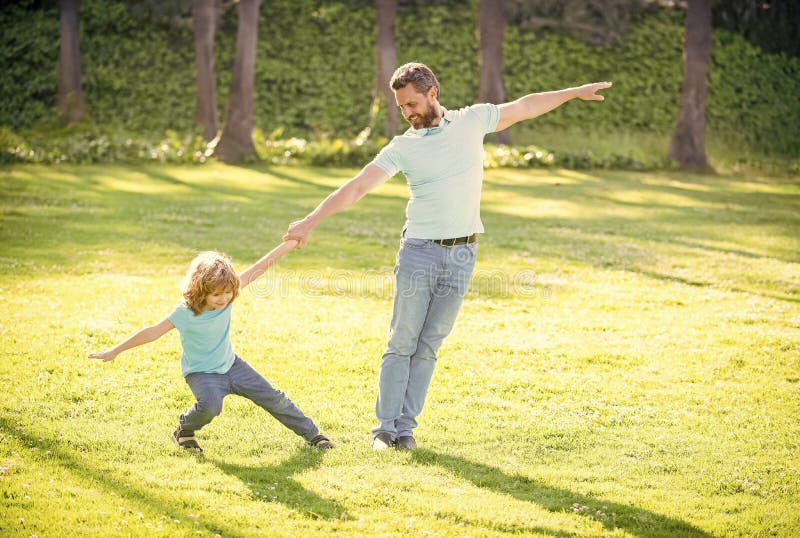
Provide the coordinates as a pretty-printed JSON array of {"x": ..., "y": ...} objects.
[{"x": 418, "y": 75}]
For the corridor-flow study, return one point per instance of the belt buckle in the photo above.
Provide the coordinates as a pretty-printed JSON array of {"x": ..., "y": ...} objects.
[{"x": 450, "y": 242}]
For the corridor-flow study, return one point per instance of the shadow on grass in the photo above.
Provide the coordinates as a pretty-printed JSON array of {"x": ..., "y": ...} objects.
[
  {"x": 611, "y": 515},
  {"x": 94, "y": 475},
  {"x": 275, "y": 484}
]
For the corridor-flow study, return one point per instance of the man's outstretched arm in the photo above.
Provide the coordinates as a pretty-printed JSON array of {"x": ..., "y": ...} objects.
[
  {"x": 536, "y": 104},
  {"x": 351, "y": 192}
]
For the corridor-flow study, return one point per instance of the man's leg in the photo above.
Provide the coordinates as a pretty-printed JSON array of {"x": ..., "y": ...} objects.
[
  {"x": 416, "y": 263},
  {"x": 445, "y": 303}
]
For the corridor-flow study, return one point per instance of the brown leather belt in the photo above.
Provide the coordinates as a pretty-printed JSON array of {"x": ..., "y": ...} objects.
[{"x": 456, "y": 240}]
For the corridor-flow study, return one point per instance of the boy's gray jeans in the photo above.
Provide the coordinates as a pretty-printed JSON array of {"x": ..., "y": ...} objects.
[
  {"x": 431, "y": 281},
  {"x": 242, "y": 380}
]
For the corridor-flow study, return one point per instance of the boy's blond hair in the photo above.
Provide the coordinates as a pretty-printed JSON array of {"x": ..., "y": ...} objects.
[{"x": 209, "y": 271}]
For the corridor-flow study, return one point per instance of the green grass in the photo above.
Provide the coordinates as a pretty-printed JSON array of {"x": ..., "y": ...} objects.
[{"x": 626, "y": 364}]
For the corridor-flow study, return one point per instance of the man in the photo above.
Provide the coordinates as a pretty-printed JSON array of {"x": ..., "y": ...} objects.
[{"x": 441, "y": 156}]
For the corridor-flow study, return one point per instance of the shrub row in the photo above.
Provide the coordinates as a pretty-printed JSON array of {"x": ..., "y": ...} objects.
[{"x": 87, "y": 143}]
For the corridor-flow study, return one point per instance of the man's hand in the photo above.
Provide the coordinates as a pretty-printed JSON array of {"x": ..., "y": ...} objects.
[
  {"x": 299, "y": 230},
  {"x": 105, "y": 356},
  {"x": 588, "y": 92}
]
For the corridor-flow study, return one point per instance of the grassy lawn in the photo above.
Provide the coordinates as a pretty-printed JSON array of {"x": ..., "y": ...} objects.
[{"x": 627, "y": 362}]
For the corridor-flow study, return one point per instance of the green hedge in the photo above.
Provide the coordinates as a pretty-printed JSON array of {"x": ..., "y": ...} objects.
[
  {"x": 90, "y": 143},
  {"x": 314, "y": 73}
]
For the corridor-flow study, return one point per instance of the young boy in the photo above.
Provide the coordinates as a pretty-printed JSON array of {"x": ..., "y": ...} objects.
[{"x": 211, "y": 368}]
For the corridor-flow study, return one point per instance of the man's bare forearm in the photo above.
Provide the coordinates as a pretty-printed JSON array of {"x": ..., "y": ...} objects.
[
  {"x": 339, "y": 200},
  {"x": 536, "y": 104}
]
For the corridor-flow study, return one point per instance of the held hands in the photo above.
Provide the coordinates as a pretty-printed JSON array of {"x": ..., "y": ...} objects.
[
  {"x": 105, "y": 356},
  {"x": 299, "y": 230},
  {"x": 588, "y": 92}
]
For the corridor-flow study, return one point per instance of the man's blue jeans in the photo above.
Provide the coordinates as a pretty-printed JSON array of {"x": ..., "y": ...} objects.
[{"x": 431, "y": 281}]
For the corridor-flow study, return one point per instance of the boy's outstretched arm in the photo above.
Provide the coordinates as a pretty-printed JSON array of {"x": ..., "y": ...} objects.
[
  {"x": 146, "y": 335},
  {"x": 260, "y": 267}
]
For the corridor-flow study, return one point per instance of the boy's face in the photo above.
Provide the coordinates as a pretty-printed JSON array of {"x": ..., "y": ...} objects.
[{"x": 218, "y": 299}]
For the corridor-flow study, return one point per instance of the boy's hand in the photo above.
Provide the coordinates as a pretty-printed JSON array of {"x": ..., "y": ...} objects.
[
  {"x": 299, "y": 231},
  {"x": 105, "y": 356}
]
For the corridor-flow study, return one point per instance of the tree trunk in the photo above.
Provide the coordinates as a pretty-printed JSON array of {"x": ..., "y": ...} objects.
[
  {"x": 204, "y": 19},
  {"x": 236, "y": 141},
  {"x": 386, "y": 60},
  {"x": 688, "y": 142},
  {"x": 70, "y": 95},
  {"x": 491, "y": 27}
]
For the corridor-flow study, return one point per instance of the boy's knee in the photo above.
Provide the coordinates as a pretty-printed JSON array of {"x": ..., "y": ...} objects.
[{"x": 209, "y": 409}]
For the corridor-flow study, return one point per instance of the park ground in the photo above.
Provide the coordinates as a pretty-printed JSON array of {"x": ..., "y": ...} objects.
[{"x": 626, "y": 363}]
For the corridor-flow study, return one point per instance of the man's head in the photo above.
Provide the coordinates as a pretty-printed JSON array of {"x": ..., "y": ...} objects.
[{"x": 417, "y": 93}]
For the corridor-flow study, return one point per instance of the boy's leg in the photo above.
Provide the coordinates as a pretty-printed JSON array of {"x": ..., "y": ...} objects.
[
  {"x": 247, "y": 382},
  {"x": 208, "y": 390}
]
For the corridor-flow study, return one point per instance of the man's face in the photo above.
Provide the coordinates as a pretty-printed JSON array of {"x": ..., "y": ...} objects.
[{"x": 419, "y": 109}]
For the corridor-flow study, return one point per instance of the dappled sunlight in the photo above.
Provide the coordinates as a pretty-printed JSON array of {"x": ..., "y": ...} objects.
[
  {"x": 575, "y": 175},
  {"x": 661, "y": 181}
]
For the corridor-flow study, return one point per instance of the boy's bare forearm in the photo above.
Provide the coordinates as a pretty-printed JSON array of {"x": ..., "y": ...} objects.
[
  {"x": 145, "y": 336},
  {"x": 261, "y": 266}
]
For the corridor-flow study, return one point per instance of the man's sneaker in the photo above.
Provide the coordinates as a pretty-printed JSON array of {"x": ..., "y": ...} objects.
[
  {"x": 405, "y": 442},
  {"x": 382, "y": 441}
]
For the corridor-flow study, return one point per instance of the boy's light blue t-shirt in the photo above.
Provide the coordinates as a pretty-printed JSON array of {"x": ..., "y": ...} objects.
[
  {"x": 205, "y": 339},
  {"x": 443, "y": 166}
]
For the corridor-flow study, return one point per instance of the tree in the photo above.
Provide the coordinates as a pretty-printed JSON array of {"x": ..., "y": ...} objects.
[
  {"x": 236, "y": 141},
  {"x": 688, "y": 141},
  {"x": 70, "y": 95},
  {"x": 205, "y": 14},
  {"x": 491, "y": 27},
  {"x": 386, "y": 62}
]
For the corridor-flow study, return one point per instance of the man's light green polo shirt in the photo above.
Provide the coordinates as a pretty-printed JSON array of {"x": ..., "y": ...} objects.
[{"x": 443, "y": 166}]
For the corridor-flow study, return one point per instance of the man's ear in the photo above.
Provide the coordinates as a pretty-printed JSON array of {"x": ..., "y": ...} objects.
[{"x": 433, "y": 92}]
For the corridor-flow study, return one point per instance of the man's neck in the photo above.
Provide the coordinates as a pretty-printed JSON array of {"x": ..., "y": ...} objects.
[{"x": 439, "y": 115}]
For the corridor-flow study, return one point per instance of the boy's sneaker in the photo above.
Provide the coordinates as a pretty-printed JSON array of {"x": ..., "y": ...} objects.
[
  {"x": 321, "y": 442},
  {"x": 185, "y": 439}
]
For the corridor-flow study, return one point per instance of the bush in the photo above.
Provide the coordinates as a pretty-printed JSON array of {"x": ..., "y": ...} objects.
[{"x": 87, "y": 143}]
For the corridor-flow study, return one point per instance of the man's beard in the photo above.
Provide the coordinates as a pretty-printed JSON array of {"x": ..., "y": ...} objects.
[{"x": 425, "y": 120}]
